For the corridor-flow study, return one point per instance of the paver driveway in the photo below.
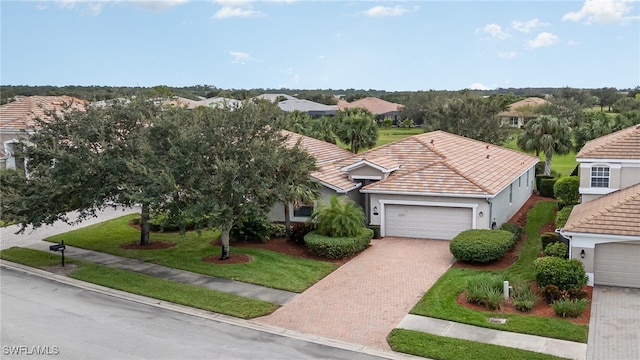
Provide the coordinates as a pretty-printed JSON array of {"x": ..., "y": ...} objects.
[
  {"x": 614, "y": 329},
  {"x": 364, "y": 299}
]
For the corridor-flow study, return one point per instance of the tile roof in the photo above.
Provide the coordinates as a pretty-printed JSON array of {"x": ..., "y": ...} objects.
[
  {"x": 623, "y": 144},
  {"x": 323, "y": 151},
  {"x": 20, "y": 114},
  {"x": 306, "y": 106},
  {"x": 528, "y": 103},
  {"x": 375, "y": 105},
  {"x": 617, "y": 213},
  {"x": 444, "y": 163},
  {"x": 274, "y": 97}
]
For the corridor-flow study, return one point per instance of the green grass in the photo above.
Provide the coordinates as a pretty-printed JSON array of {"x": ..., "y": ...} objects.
[
  {"x": 445, "y": 348},
  {"x": 562, "y": 164},
  {"x": 386, "y": 136},
  {"x": 157, "y": 288},
  {"x": 268, "y": 268},
  {"x": 440, "y": 301}
]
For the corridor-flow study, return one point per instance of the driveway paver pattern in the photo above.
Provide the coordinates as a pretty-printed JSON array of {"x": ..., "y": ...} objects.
[
  {"x": 364, "y": 299},
  {"x": 614, "y": 329}
]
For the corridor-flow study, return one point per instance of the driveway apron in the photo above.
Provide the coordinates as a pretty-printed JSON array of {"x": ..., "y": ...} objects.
[
  {"x": 614, "y": 329},
  {"x": 364, "y": 299}
]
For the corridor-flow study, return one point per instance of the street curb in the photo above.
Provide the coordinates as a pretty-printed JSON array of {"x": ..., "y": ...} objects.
[{"x": 388, "y": 354}]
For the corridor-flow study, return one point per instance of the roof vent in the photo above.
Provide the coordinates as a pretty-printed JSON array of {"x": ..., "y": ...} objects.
[
  {"x": 488, "y": 156},
  {"x": 432, "y": 141}
]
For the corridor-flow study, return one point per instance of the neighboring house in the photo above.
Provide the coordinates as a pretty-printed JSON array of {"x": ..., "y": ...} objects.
[
  {"x": 314, "y": 109},
  {"x": 275, "y": 97},
  {"x": 432, "y": 185},
  {"x": 604, "y": 230},
  {"x": 380, "y": 108},
  {"x": 17, "y": 120},
  {"x": 520, "y": 112},
  {"x": 220, "y": 101}
]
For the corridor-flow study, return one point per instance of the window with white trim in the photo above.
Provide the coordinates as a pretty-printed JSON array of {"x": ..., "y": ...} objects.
[
  {"x": 514, "y": 121},
  {"x": 303, "y": 211},
  {"x": 600, "y": 177}
]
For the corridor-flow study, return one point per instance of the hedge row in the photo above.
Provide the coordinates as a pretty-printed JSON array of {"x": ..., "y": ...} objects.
[
  {"x": 481, "y": 245},
  {"x": 337, "y": 247}
]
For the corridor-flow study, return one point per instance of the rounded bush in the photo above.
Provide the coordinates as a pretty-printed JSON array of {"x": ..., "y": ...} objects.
[
  {"x": 566, "y": 190},
  {"x": 563, "y": 273},
  {"x": 515, "y": 229},
  {"x": 556, "y": 249},
  {"x": 481, "y": 246},
  {"x": 337, "y": 247}
]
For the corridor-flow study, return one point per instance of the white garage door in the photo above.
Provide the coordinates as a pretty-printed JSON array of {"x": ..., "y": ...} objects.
[
  {"x": 617, "y": 264},
  {"x": 431, "y": 222}
]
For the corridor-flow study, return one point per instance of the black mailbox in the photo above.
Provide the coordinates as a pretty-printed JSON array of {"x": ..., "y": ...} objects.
[{"x": 58, "y": 247}]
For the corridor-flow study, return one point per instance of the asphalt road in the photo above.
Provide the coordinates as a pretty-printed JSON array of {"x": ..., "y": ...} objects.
[{"x": 44, "y": 319}]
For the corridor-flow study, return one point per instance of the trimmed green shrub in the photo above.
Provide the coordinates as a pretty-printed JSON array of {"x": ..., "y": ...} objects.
[
  {"x": 376, "y": 231},
  {"x": 515, "y": 229},
  {"x": 576, "y": 294},
  {"x": 164, "y": 222},
  {"x": 523, "y": 298},
  {"x": 481, "y": 245},
  {"x": 278, "y": 230},
  {"x": 557, "y": 249},
  {"x": 539, "y": 168},
  {"x": 564, "y": 273},
  {"x": 252, "y": 230},
  {"x": 566, "y": 189},
  {"x": 551, "y": 293},
  {"x": 337, "y": 247},
  {"x": 299, "y": 231},
  {"x": 546, "y": 187},
  {"x": 341, "y": 217},
  {"x": 563, "y": 215},
  {"x": 539, "y": 179},
  {"x": 548, "y": 238},
  {"x": 569, "y": 308}
]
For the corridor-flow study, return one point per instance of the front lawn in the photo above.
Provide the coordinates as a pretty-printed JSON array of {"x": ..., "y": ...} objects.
[
  {"x": 157, "y": 288},
  {"x": 445, "y": 348},
  {"x": 440, "y": 301},
  {"x": 389, "y": 135},
  {"x": 268, "y": 268}
]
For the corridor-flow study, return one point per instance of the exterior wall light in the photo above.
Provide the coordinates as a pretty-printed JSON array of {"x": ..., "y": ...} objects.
[{"x": 582, "y": 253}]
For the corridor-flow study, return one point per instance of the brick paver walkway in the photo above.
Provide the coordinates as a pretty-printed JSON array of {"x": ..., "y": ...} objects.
[{"x": 363, "y": 300}]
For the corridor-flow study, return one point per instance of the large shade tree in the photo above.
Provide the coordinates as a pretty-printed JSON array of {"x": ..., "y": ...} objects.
[
  {"x": 548, "y": 135},
  {"x": 233, "y": 164},
  {"x": 86, "y": 160}
]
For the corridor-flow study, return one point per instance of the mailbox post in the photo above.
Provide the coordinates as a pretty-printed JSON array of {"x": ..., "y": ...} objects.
[{"x": 58, "y": 247}]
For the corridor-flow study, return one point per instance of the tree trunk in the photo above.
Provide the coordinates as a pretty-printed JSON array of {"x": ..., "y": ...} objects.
[
  {"x": 287, "y": 222},
  {"x": 547, "y": 164},
  {"x": 144, "y": 226},
  {"x": 224, "y": 239}
]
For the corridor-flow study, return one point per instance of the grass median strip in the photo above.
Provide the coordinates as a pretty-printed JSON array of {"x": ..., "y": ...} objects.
[
  {"x": 444, "y": 348},
  {"x": 157, "y": 288},
  {"x": 268, "y": 268},
  {"x": 440, "y": 301}
]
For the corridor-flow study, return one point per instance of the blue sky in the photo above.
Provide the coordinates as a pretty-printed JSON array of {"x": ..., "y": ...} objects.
[{"x": 385, "y": 45}]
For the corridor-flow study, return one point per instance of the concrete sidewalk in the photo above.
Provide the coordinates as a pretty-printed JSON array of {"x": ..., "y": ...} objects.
[
  {"x": 561, "y": 348},
  {"x": 275, "y": 296}
]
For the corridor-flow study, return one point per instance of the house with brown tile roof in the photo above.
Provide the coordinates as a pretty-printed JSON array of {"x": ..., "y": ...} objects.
[
  {"x": 17, "y": 119},
  {"x": 520, "y": 112},
  {"x": 381, "y": 108},
  {"x": 431, "y": 185},
  {"x": 604, "y": 230}
]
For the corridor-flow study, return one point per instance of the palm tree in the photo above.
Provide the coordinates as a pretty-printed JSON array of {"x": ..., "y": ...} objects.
[
  {"x": 338, "y": 218},
  {"x": 299, "y": 194},
  {"x": 322, "y": 129},
  {"x": 546, "y": 134},
  {"x": 357, "y": 128},
  {"x": 594, "y": 125}
]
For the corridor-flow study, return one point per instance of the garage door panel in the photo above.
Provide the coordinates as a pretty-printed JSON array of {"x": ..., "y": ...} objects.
[
  {"x": 432, "y": 222},
  {"x": 617, "y": 264}
]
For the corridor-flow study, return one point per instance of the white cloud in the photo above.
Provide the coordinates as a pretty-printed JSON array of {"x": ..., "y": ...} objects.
[
  {"x": 240, "y": 57},
  {"x": 386, "y": 11},
  {"x": 158, "y": 5},
  {"x": 237, "y": 8},
  {"x": 527, "y": 26},
  {"x": 495, "y": 31},
  {"x": 84, "y": 6},
  {"x": 542, "y": 40},
  {"x": 603, "y": 11},
  {"x": 508, "y": 54},
  {"x": 478, "y": 86}
]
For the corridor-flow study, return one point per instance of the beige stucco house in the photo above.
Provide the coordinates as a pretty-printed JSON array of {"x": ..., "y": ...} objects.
[
  {"x": 431, "y": 185},
  {"x": 604, "y": 230},
  {"x": 17, "y": 120},
  {"x": 520, "y": 112}
]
